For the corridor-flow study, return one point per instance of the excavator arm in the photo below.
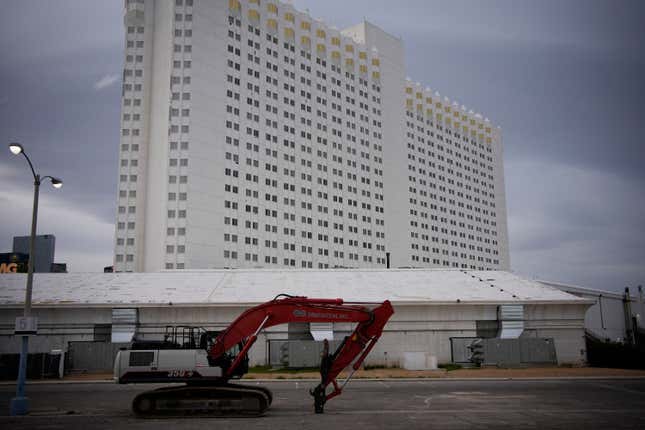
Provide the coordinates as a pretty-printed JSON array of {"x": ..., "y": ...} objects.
[{"x": 284, "y": 309}]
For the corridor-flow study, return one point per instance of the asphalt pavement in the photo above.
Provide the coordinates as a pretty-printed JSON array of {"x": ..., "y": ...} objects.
[{"x": 383, "y": 404}]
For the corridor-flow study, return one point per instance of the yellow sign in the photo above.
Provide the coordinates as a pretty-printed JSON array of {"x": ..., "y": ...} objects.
[{"x": 8, "y": 267}]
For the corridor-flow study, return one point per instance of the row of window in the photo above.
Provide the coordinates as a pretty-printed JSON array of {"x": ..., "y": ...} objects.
[
  {"x": 467, "y": 200},
  {"x": 233, "y": 255},
  {"x": 180, "y": 82},
  {"x": 253, "y": 30}
]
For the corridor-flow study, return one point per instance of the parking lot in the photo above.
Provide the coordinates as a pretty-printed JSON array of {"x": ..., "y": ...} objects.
[{"x": 387, "y": 404}]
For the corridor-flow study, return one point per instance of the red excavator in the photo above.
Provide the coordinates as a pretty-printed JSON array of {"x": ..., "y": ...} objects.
[{"x": 206, "y": 361}]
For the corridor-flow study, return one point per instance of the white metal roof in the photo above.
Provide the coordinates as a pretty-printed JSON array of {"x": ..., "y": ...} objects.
[
  {"x": 586, "y": 292},
  {"x": 234, "y": 287}
]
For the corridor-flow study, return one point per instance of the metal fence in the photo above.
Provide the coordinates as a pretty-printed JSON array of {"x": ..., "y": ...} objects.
[
  {"x": 92, "y": 356},
  {"x": 39, "y": 365}
]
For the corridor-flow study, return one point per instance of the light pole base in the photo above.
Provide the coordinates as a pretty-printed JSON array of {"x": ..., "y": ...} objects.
[{"x": 19, "y": 406}]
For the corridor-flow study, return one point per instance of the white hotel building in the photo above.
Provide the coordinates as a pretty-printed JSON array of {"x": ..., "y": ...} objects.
[{"x": 253, "y": 135}]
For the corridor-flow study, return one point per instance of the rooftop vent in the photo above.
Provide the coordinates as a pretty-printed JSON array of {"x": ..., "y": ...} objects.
[{"x": 511, "y": 321}]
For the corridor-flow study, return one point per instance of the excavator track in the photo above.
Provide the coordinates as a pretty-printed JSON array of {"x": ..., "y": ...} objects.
[{"x": 229, "y": 400}]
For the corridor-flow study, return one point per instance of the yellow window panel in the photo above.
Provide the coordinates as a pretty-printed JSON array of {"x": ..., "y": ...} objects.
[
  {"x": 428, "y": 100},
  {"x": 305, "y": 25},
  {"x": 465, "y": 129},
  {"x": 376, "y": 76},
  {"x": 335, "y": 41},
  {"x": 272, "y": 24},
  {"x": 429, "y": 112},
  {"x": 408, "y": 90},
  {"x": 448, "y": 121},
  {"x": 438, "y": 105},
  {"x": 349, "y": 48},
  {"x": 439, "y": 117},
  {"x": 419, "y": 96},
  {"x": 409, "y": 102},
  {"x": 489, "y": 140},
  {"x": 234, "y": 5},
  {"x": 457, "y": 124},
  {"x": 349, "y": 62},
  {"x": 448, "y": 109},
  {"x": 321, "y": 33},
  {"x": 488, "y": 130},
  {"x": 289, "y": 17},
  {"x": 473, "y": 133},
  {"x": 254, "y": 1},
  {"x": 321, "y": 48},
  {"x": 305, "y": 40},
  {"x": 289, "y": 33},
  {"x": 363, "y": 68},
  {"x": 254, "y": 15},
  {"x": 271, "y": 8},
  {"x": 472, "y": 122},
  {"x": 420, "y": 108},
  {"x": 481, "y": 136},
  {"x": 335, "y": 55},
  {"x": 362, "y": 55},
  {"x": 376, "y": 62}
]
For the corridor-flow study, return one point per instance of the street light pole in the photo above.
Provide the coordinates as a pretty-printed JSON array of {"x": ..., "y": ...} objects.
[
  {"x": 20, "y": 403},
  {"x": 32, "y": 250}
]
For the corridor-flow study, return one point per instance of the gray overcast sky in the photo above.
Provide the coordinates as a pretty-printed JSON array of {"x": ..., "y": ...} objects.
[{"x": 564, "y": 79}]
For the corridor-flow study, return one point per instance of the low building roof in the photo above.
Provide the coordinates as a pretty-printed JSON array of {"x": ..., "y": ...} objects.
[{"x": 247, "y": 287}]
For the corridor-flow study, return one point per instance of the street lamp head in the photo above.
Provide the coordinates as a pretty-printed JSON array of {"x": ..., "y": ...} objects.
[
  {"x": 15, "y": 148},
  {"x": 57, "y": 183}
]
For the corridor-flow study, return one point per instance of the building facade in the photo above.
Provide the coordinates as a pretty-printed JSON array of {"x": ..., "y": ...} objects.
[
  {"x": 44, "y": 250},
  {"x": 255, "y": 136},
  {"x": 435, "y": 310}
]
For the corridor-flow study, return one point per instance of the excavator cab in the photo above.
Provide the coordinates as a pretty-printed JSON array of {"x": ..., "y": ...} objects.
[
  {"x": 206, "y": 341},
  {"x": 175, "y": 337}
]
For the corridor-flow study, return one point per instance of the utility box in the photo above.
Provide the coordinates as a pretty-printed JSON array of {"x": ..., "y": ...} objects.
[
  {"x": 519, "y": 352},
  {"x": 307, "y": 353}
]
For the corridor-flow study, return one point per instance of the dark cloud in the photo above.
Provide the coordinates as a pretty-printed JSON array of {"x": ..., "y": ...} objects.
[
  {"x": 563, "y": 79},
  {"x": 56, "y": 53},
  {"x": 575, "y": 225},
  {"x": 68, "y": 128}
]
